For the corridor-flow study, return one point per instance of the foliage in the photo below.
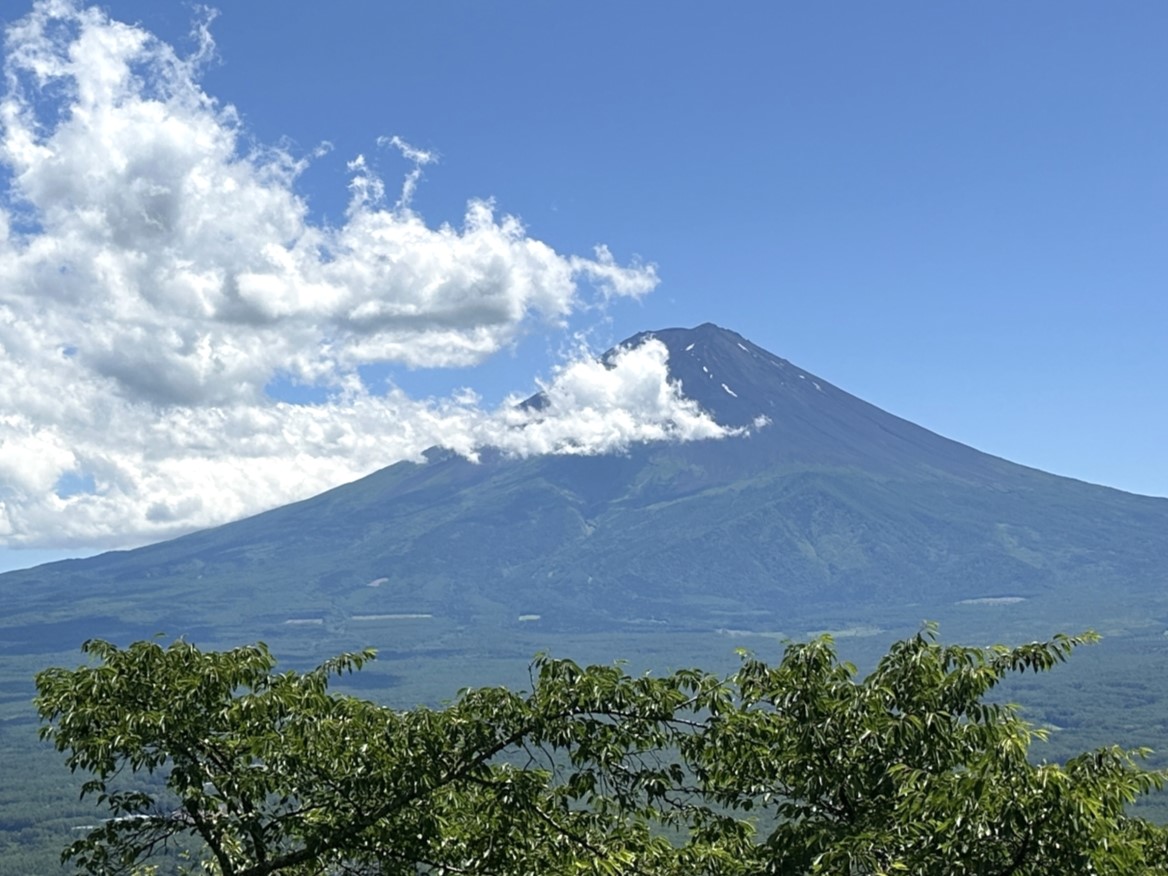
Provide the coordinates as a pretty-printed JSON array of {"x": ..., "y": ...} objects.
[{"x": 799, "y": 767}]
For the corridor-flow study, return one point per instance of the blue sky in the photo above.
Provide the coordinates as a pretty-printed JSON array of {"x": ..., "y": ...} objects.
[{"x": 957, "y": 212}]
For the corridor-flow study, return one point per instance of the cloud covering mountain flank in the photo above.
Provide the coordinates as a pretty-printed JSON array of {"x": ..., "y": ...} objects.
[{"x": 157, "y": 273}]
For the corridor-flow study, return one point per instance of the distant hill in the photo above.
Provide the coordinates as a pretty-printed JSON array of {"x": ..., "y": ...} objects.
[{"x": 834, "y": 507}]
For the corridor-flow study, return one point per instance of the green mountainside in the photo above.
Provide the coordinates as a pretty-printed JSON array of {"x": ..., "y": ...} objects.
[{"x": 832, "y": 505}]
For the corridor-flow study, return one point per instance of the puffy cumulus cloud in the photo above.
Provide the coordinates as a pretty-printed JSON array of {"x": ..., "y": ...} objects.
[
  {"x": 185, "y": 467},
  {"x": 593, "y": 406},
  {"x": 156, "y": 274},
  {"x": 197, "y": 262}
]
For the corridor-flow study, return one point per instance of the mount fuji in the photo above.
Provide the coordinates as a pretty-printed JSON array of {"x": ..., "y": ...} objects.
[{"x": 824, "y": 506}]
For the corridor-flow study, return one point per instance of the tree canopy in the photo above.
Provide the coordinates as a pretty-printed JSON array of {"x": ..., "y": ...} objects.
[{"x": 797, "y": 767}]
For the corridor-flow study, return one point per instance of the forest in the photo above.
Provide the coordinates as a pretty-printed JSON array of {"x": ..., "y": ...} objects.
[{"x": 214, "y": 761}]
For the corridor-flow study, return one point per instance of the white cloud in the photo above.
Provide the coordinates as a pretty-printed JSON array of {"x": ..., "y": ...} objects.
[
  {"x": 156, "y": 275},
  {"x": 592, "y": 407},
  {"x": 168, "y": 470}
]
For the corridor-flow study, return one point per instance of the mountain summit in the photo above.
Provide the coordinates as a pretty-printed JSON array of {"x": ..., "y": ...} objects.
[
  {"x": 731, "y": 378},
  {"x": 808, "y": 421},
  {"x": 828, "y": 506}
]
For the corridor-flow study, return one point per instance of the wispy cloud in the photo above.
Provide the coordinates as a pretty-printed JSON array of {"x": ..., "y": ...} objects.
[{"x": 157, "y": 272}]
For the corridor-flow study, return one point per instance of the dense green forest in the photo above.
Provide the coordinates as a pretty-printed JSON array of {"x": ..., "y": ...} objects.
[
  {"x": 1110, "y": 694},
  {"x": 806, "y": 765}
]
